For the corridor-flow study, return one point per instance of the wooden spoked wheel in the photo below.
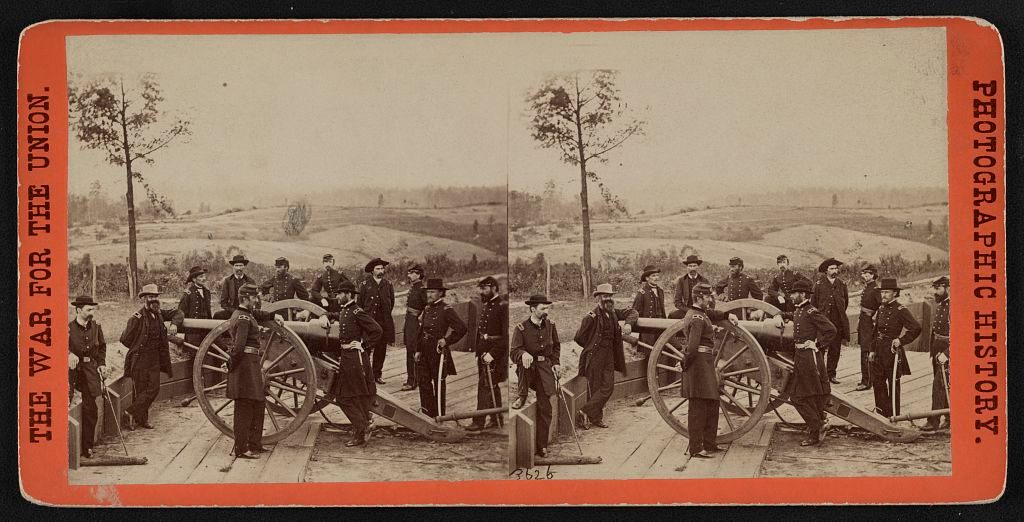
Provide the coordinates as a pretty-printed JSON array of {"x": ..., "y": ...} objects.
[
  {"x": 294, "y": 308},
  {"x": 743, "y": 373},
  {"x": 289, "y": 373}
]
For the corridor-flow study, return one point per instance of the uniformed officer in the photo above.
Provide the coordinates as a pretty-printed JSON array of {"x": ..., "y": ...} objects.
[
  {"x": 354, "y": 386},
  {"x": 229, "y": 286},
  {"x": 809, "y": 387},
  {"x": 87, "y": 363},
  {"x": 491, "y": 352},
  {"x": 283, "y": 286},
  {"x": 601, "y": 338},
  {"x": 831, "y": 297},
  {"x": 869, "y": 301},
  {"x": 939, "y": 352},
  {"x": 685, "y": 284},
  {"x": 738, "y": 285},
  {"x": 245, "y": 374},
  {"x": 650, "y": 301},
  {"x": 325, "y": 286},
  {"x": 536, "y": 350},
  {"x": 699, "y": 383},
  {"x": 782, "y": 284},
  {"x": 415, "y": 301},
  {"x": 195, "y": 304},
  {"x": 440, "y": 327},
  {"x": 377, "y": 297},
  {"x": 887, "y": 344},
  {"x": 148, "y": 355}
]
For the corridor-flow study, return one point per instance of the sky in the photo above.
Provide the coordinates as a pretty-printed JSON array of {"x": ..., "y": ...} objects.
[{"x": 726, "y": 111}]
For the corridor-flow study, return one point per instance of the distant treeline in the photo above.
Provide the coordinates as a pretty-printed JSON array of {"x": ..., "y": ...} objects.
[
  {"x": 526, "y": 208},
  {"x": 880, "y": 197},
  {"x": 413, "y": 197}
]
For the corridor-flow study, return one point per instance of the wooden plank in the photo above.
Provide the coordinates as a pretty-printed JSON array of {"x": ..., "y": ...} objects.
[
  {"x": 213, "y": 468},
  {"x": 744, "y": 457},
  {"x": 641, "y": 461},
  {"x": 74, "y": 442},
  {"x": 671, "y": 457},
  {"x": 525, "y": 438},
  {"x": 288, "y": 461},
  {"x": 188, "y": 458}
]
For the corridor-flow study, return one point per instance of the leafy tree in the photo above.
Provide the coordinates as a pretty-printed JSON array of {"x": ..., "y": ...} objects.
[
  {"x": 582, "y": 116},
  {"x": 127, "y": 123}
]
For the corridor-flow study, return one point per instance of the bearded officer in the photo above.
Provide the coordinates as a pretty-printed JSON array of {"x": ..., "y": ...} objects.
[
  {"x": 229, "y": 286},
  {"x": 283, "y": 285},
  {"x": 377, "y": 297},
  {"x": 831, "y": 296},
  {"x": 650, "y": 301},
  {"x": 895, "y": 328},
  {"x": 685, "y": 284},
  {"x": 810, "y": 384},
  {"x": 415, "y": 301},
  {"x": 491, "y": 352},
  {"x": 699, "y": 382},
  {"x": 536, "y": 350},
  {"x": 87, "y": 362},
  {"x": 738, "y": 285},
  {"x": 146, "y": 338},
  {"x": 440, "y": 328},
  {"x": 869, "y": 301},
  {"x": 782, "y": 285},
  {"x": 354, "y": 386},
  {"x": 245, "y": 374},
  {"x": 601, "y": 338},
  {"x": 939, "y": 352},
  {"x": 325, "y": 286}
]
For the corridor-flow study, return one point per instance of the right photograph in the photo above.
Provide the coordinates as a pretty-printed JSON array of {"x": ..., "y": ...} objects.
[{"x": 729, "y": 255}]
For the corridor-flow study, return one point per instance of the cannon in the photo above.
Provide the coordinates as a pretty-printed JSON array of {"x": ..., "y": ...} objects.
[
  {"x": 298, "y": 370},
  {"x": 754, "y": 365}
]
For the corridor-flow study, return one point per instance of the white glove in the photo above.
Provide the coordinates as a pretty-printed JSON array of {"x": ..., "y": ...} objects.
[
  {"x": 734, "y": 320},
  {"x": 941, "y": 358},
  {"x": 782, "y": 300},
  {"x": 72, "y": 361},
  {"x": 627, "y": 329},
  {"x": 279, "y": 320},
  {"x": 172, "y": 329},
  {"x": 324, "y": 322},
  {"x": 527, "y": 360},
  {"x": 488, "y": 358},
  {"x": 303, "y": 315},
  {"x": 779, "y": 322},
  {"x": 323, "y": 302}
]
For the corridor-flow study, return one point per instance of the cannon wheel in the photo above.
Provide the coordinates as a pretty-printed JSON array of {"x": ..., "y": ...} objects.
[
  {"x": 743, "y": 372},
  {"x": 291, "y": 307},
  {"x": 285, "y": 359}
]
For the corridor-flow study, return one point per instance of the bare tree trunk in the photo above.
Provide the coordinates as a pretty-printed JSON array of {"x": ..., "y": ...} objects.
[
  {"x": 584, "y": 204},
  {"x": 133, "y": 261}
]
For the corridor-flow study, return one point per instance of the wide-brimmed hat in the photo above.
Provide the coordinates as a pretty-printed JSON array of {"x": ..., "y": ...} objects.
[
  {"x": 434, "y": 284},
  {"x": 248, "y": 289},
  {"x": 84, "y": 300},
  {"x": 801, "y": 285},
  {"x": 150, "y": 289},
  {"x": 328, "y": 257},
  {"x": 239, "y": 258},
  {"x": 648, "y": 270},
  {"x": 193, "y": 272},
  {"x": 889, "y": 283},
  {"x": 282, "y": 261},
  {"x": 692, "y": 258},
  {"x": 487, "y": 281},
  {"x": 942, "y": 281},
  {"x": 347, "y": 286},
  {"x": 537, "y": 299},
  {"x": 373, "y": 263},
  {"x": 604, "y": 288},
  {"x": 415, "y": 268},
  {"x": 870, "y": 269},
  {"x": 829, "y": 262},
  {"x": 736, "y": 261}
]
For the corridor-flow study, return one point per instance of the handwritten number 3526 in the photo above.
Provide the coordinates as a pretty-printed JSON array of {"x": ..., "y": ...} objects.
[{"x": 531, "y": 474}]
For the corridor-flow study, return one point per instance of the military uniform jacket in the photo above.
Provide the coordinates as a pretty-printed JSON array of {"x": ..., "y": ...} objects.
[
  {"x": 940, "y": 326},
  {"x": 229, "y": 290},
  {"x": 326, "y": 284},
  {"x": 810, "y": 376},
  {"x": 146, "y": 331},
  {"x": 493, "y": 322},
  {"x": 354, "y": 324},
  {"x": 684, "y": 290},
  {"x": 891, "y": 321},
  {"x": 780, "y": 286},
  {"x": 832, "y": 298},
  {"x": 284, "y": 286},
  {"x": 590, "y": 336},
  {"x": 740, "y": 286},
  {"x": 378, "y": 299},
  {"x": 195, "y": 304},
  {"x": 699, "y": 380},
  {"x": 870, "y": 300},
  {"x": 245, "y": 374},
  {"x": 439, "y": 321},
  {"x": 538, "y": 341},
  {"x": 650, "y": 302},
  {"x": 415, "y": 302},
  {"x": 88, "y": 344}
]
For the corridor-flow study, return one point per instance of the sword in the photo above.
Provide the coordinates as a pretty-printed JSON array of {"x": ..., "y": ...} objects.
[
  {"x": 895, "y": 381},
  {"x": 494, "y": 396},
  {"x": 572, "y": 420},
  {"x": 117, "y": 422},
  {"x": 440, "y": 380},
  {"x": 945, "y": 382}
]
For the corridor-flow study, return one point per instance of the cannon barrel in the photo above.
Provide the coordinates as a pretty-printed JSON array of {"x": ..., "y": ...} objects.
[
  {"x": 766, "y": 333},
  {"x": 309, "y": 330}
]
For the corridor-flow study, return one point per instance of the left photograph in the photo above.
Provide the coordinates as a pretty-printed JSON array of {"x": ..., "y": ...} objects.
[{"x": 288, "y": 260}]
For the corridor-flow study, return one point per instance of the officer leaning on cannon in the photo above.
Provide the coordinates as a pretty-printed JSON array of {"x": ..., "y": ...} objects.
[
  {"x": 87, "y": 362},
  {"x": 353, "y": 387},
  {"x": 491, "y": 352},
  {"x": 650, "y": 301},
  {"x": 699, "y": 382},
  {"x": 415, "y": 302},
  {"x": 148, "y": 355},
  {"x": 809, "y": 388},
  {"x": 325, "y": 287},
  {"x": 245, "y": 373},
  {"x": 195, "y": 304},
  {"x": 536, "y": 350},
  {"x": 601, "y": 338},
  {"x": 440, "y": 328},
  {"x": 887, "y": 344},
  {"x": 229, "y": 286},
  {"x": 939, "y": 353}
]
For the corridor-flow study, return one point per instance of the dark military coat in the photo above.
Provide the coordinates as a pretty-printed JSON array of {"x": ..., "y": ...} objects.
[
  {"x": 542, "y": 343},
  {"x": 284, "y": 286},
  {"x": 493, "y": 323},
  {"x": 355, "y": 371},
  {"x": 894, "y": 319},
  {"x": 780, "y": 286},
  {"x": 594, "y": 329},
  {"x": 245, "y": 374},
  {"x": 739, "y": 286},
  {"x": 684, "y": 290},
  {"x": 699, "y": 380},
  {"x": 146, "y": 331},
  {"x": 940, "y": 329},
  {"x": 195, "y": 304},
  {"x": 439, "y": 321},
  {"x": 870, "y": 300},
  {"x": 325, "y": 286},
  {"x": 810, "y": 376},
  {"x": 229, "y": 290},
  {"x": 378, "y": 299},
  {"x": 415, "y": 302},
  {"x": 832, "y": 298},
  {"x": 88, "y": 344},
  {"x": 650, "y": 302}
]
